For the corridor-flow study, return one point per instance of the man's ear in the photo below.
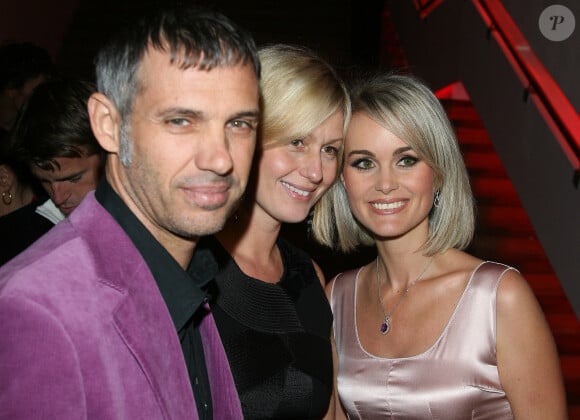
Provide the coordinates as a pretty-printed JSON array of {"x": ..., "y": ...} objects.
[{"x": 105, "y": 122}]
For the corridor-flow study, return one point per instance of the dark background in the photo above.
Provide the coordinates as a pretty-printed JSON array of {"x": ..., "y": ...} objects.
[{"x": 346, "y": 32}]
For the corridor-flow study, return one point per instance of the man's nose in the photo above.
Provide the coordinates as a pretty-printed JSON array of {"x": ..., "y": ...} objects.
[
  {"x": 215, "y": 155},
  {"x": 60, "y": 193}
]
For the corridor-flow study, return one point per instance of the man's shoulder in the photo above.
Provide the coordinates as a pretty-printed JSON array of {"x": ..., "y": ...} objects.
[
  {"x": 78, "y": 248},
  {"x": 46, "y": 261}
]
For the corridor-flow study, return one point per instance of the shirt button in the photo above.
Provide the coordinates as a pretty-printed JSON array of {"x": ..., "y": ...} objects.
[{"x": 196, "y": 380}]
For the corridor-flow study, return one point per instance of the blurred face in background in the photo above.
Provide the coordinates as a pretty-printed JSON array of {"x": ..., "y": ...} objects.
[{"x": 69, "y": 179}]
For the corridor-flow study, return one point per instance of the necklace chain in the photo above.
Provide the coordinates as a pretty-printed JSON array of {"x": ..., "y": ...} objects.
[{"x": 386, "y": 324}]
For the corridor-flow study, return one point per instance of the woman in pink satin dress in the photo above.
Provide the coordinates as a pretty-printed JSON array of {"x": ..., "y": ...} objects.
[{"x": 426, "y": 330}]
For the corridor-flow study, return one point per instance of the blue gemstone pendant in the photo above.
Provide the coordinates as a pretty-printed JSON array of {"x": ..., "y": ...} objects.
[{"x": 386, "y": 325}]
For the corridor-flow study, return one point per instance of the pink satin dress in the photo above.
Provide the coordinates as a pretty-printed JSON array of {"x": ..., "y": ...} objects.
[{"x": 457, "y": 378}]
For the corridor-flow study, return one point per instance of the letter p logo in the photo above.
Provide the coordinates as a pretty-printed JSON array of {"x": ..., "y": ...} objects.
[{"x": 557, "y": 22}]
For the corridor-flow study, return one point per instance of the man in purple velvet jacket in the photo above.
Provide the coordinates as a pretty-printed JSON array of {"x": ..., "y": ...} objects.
[{"x": 105, "y": 317}]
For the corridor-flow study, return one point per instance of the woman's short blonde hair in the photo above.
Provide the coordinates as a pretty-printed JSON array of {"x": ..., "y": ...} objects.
[
  {"x": 405, "y": 106},
  {"x": 300, "y": 90}
]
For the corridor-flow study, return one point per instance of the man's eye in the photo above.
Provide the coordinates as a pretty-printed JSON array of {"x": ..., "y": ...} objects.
[
  {"x": 240, "y": 124},
  {"x": 243, "y": 125},
  {"x": 180, "y": 122}
]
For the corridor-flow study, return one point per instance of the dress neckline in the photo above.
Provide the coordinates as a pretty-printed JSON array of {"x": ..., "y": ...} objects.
[{"x": 437, "y": 340}]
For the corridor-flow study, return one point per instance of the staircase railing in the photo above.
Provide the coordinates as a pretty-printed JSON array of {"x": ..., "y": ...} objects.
[{"x": 538, "y": 84}]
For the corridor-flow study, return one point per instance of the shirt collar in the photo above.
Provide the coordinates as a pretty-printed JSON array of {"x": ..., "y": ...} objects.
[{"x": 182, "y": 290}]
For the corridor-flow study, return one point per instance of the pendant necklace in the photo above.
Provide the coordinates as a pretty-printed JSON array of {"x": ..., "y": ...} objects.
[{"x": 386, "y": 324}]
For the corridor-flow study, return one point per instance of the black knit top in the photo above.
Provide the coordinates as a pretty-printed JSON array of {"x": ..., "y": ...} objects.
[{"x": 276, "y": 336}]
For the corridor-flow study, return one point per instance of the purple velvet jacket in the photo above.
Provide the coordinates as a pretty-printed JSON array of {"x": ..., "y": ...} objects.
[{"x": 85, "y": 333}]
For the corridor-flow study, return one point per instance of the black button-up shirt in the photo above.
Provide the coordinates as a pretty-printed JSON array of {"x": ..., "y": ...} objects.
[{"x": 181, "y": 290}]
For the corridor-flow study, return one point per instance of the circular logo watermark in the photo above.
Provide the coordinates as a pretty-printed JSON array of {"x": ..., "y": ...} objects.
[{"x": 557, "y": 22}]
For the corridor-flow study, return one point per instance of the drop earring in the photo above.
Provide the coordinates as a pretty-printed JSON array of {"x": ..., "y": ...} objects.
[
  {"x": 7, "y": 197},
  {"x": 437, "y": 199}
]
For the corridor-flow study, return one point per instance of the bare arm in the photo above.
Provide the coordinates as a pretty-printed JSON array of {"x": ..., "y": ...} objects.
[
  {"x": 335, "y": 410},
  {"x": 320, "y": 274},
  {"x": 527, "y": 358}
]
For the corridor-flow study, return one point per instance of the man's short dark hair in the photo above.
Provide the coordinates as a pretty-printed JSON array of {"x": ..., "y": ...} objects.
[
  {"x": 54, "y": 122},
  {"x": 193, "y": 36}
]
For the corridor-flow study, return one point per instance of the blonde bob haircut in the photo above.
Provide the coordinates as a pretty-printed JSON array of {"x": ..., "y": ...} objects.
[
  {"x": 300, "y": 90},
  {"x": 406, "y": 107}
]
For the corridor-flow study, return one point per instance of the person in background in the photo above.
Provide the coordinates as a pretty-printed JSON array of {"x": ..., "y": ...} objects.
[
  {"x": 53, "y": 137},
  {"x": 426, "y": 330},
  {"x": 20, "y": 224},
  {"x": 270, "y": 307},
  {"x": 104, "y": 316},
  {"x": 23, "y": 66}
]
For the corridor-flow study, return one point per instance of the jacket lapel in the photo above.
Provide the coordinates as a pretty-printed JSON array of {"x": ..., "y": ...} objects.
[
  {"x": 142, "y": 318},
  {"x": 147, "y": 330},
  {"x": 225, "y": 400}
]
